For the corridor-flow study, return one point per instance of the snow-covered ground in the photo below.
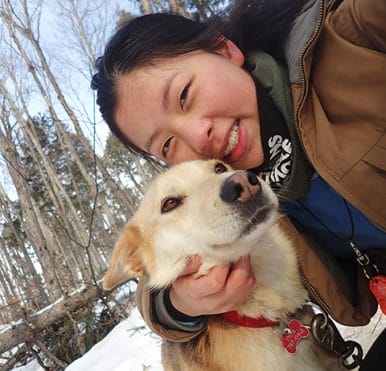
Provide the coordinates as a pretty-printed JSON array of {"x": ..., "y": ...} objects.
[{"x": 130, "y": 346}]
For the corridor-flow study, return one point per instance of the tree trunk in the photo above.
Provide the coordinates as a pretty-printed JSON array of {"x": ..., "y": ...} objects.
[
  {"x": 26, "y": 331},
  {"x": 146, "y": 6}
]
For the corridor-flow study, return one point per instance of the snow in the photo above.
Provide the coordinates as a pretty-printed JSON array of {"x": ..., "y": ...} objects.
[
  {"x": 130, "y": 346},
  {"x": 31, "y": 366}
]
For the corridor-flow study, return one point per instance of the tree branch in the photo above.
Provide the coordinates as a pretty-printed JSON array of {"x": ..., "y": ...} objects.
[{"x": 25, "y": 331}]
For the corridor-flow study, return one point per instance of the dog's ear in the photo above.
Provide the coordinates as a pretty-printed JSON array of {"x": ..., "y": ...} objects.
[{"x": 125, "y": 262}]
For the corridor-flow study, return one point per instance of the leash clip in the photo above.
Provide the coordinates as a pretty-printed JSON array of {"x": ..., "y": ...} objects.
[
  {"x": 369, "y": 269},
  {"x": 326, "y": 333}
]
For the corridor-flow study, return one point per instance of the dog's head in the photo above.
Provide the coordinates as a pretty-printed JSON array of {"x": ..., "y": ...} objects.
[{"x": 196, "y": 208}]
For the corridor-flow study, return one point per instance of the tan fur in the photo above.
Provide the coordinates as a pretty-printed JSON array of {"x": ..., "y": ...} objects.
[{"x": 158, "y": 244}]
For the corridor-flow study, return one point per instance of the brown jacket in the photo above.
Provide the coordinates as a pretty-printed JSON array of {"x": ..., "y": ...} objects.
[{"x": 339, "y": 95}]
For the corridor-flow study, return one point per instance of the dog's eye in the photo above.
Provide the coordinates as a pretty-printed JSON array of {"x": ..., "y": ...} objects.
[
  {"x": 170, "y": 203},
  {"x": 219, "y": 168}
]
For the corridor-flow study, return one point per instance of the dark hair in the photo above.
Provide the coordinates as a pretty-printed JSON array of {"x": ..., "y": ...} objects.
[
  {"x": 254, "y": 24},
  {"x": 262, "y": 25},
  {"x": 142, "y": 41}
]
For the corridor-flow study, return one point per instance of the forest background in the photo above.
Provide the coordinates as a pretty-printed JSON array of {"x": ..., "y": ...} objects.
[{"x": 66, "y": 186}]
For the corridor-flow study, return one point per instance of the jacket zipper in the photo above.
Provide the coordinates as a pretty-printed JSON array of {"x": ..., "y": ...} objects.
[
  {"x": 322, "y": 6},
  {"x": 316, "y": 32},
  {"x": 303, "y": 79}
]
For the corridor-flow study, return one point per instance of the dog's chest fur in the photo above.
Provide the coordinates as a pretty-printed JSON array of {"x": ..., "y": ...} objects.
[
  {"x": 278, "y": 293},
  {"x": 205, "y": 208},
  {"x": 228, "y": 347}
]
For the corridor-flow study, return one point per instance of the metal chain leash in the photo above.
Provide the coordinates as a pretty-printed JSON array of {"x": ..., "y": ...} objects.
[{"x": 326, "y": 333}]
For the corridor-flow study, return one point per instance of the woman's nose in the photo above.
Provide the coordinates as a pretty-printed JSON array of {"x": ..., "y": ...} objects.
[{"x": 197, "y": 134}]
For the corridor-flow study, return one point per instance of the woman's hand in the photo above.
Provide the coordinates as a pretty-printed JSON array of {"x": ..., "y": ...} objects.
[{"x": 223, "y": 289}]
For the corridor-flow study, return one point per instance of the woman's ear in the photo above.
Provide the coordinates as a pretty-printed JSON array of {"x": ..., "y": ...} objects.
[{"x": 231, "y": 51}]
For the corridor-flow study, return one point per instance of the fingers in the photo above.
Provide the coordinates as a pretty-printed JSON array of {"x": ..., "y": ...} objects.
[
  {"x": 241, "y": 274},
  {"x": 239, "y": 284},
  {"x": 224, "y": 288},
  {"x": 192, "y": 266},
  {"x": 189, "y": 293},
  {"x": 214, "y": 281}
]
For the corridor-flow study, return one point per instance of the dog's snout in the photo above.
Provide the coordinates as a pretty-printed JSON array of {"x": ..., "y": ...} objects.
[
  {"x": 241, "y": 186},
  {"x": 252, "y": 178}
]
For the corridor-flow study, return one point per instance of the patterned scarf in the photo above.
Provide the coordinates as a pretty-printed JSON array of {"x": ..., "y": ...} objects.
[
  {"x": 285, "y": 166},
  {"x": 276, "y": 142}
]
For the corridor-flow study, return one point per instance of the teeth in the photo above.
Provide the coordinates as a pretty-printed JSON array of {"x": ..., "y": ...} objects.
[{"x": 233, "y": 139}]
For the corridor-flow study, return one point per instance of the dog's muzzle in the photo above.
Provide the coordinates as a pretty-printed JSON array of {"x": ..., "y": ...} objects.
[
  {"x": 244, "y": 193},
  {"x": 240, "y": 187}
]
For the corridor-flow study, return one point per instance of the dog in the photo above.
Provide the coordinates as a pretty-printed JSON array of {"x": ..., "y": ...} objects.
[{"x": 206, "y": 208}]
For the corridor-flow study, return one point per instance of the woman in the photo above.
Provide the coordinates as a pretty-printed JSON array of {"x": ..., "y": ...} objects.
[{"x": 295, "y": 91}]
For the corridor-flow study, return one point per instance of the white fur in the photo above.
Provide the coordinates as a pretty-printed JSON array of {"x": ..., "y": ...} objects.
[{"x": 159, "y": 244}]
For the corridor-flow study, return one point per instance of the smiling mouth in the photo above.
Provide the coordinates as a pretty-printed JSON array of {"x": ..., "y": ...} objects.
[{"x": 233, "y": 138}]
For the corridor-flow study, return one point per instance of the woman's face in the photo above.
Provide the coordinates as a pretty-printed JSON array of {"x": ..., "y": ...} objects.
[{"x": 195, "y": 106}]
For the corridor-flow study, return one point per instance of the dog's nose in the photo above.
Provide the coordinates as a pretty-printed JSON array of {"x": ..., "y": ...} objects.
[{"x": 241, "y": 186}]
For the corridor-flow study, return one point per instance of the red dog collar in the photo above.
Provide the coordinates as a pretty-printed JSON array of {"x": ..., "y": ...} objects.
[{"x": 245, "y": 321}]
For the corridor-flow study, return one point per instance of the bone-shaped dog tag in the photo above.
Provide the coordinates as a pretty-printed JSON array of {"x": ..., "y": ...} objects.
[
  {"x": 295, "y": 332},
  {"x": 378, "y": 288}
]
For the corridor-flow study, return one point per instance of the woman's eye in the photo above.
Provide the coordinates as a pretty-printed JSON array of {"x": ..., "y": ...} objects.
[
  {"x": 166, "y": 146},
  {"x": 184, "y": 96}
]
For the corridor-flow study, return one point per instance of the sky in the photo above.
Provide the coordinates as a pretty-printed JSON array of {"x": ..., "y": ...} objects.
[
  {"x": 131, "y": 346},
  {"x": 69, "y": 79}
]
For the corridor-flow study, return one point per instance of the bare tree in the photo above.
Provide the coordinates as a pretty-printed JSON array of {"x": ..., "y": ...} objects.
[
  {"x": 187, "y": 8},
  {"x": 59, "y": 232},
  {"x": 58, "y": 229}
]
